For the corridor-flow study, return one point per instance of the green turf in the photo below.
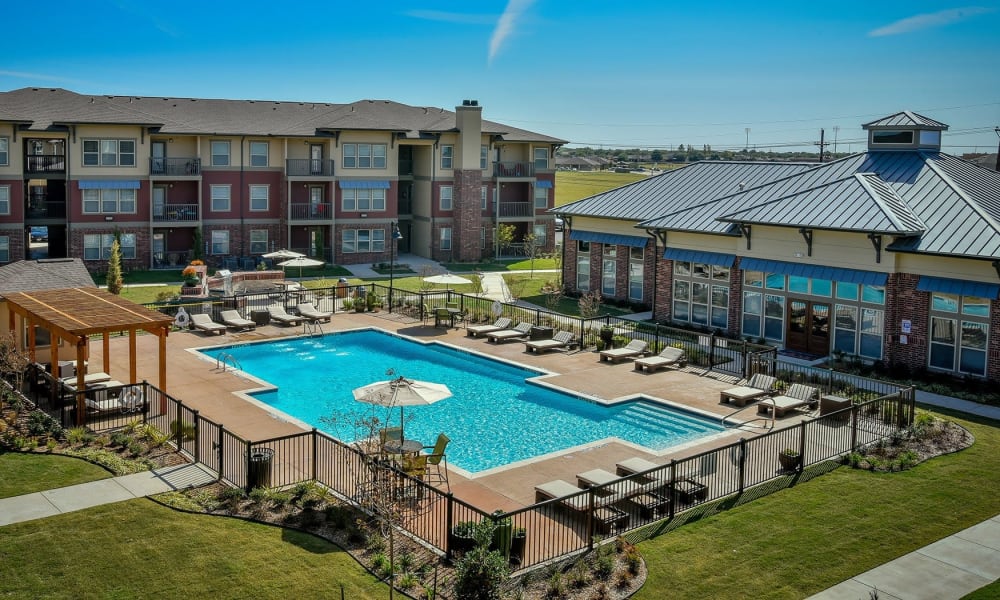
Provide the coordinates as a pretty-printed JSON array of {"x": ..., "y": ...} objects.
[
  {"x": 574, "y": 185},
  {"x": 989, "y": 592},
  {"x": 23, "y": 473},
  {"x": 139, "y": 549}
]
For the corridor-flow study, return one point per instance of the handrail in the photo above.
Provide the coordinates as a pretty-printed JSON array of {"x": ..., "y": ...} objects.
[
  {"x": 224, "y": 359},
  {"x": 722, "y": 421},
  {"x": 312, "y": 328}
]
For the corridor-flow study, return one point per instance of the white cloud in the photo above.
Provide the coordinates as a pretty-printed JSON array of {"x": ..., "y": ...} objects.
[
  {"x": 451, "y": 17},
  {"x": 928, "y": 20},
  {"x": 39, "y": 77},
  {"x": 506, "y": 23}
]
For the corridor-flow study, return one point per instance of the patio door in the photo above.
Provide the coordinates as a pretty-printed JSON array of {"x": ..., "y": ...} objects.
[
  {"x": 159, "y": 201},
  {"x": 159, "y": 154},
  {"x": 315, "y": 159},
  {"x": 808, "y": 327},
  {"x": 315, "y": 201}
]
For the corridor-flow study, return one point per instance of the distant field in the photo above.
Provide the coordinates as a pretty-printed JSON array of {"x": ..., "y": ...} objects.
[{"x": 574, "y": 185}]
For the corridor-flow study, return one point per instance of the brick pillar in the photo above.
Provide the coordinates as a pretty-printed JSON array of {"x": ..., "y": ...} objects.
[
  {"x": 903, "y": 301},
  {"x": 569, "y": 264},
  {"x": 467, "y": 215},
  {"x": 734, "y": 322},
  {"x": 663, "y": 302}
]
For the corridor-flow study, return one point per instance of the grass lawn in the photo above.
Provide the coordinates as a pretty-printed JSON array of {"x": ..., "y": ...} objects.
[
  {"x": 529, "y": 289},
  {"x": 22, "y": 473},
  {"x": 575, "y": 185},
  {"x": 140, "y": 549},
  {"x": 804, "y": 539}
]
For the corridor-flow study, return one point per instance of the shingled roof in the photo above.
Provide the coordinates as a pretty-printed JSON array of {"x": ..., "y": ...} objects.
[{"x": 44, "y": 274}]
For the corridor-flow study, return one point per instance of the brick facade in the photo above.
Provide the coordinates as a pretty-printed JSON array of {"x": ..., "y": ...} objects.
[
  {"x": 903, "y": 301},
  {"x": 663, "y": 303},
  {"x": 467, "y": 215},
  {"x": 734, "y": 324}
]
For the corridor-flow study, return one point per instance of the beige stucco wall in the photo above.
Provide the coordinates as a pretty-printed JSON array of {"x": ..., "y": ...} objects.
[
  {"x": 123, "y": 132},
  {"x": 607, "y": 226},
  {"x": 15, "y": 151},
  {"x": 954, "y": 268}
]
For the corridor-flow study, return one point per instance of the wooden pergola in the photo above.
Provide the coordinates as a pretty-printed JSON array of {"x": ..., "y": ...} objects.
[{"x": 75, "y": 314}]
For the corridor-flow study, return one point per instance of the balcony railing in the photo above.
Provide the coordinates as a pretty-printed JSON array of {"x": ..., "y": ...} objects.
[
  {"x": 307, "y": 211},
  {"x": 49, "y": 209},
  {"x": 517, "y": 209},
  {"x": 308, "y": 167},
  {"x": 405, "y": 166},
  {"x": 174, "y": 213},
  {"x": 513, "y": 169},
  {"x": 45, "y": 163},
  {"x": 174, "y": 166}
]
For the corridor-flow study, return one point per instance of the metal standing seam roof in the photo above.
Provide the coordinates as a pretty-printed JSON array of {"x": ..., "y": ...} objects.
[{"x": 905, "y": 118}]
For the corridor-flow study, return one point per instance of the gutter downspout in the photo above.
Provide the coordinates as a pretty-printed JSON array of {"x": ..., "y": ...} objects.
[{"x": 432, "y": 207}]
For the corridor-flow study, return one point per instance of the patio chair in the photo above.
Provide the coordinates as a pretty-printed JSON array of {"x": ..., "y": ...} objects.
[
  {"x": 669, "y": 356},
  {"x": 505, "y": 335},
  {"x": 797, "y": 396},
  {"x": 477, "y": 330},
  {"x": 103, "y": 406},
  {"x": 640, "y": 491},
  {"x": 684, "y": 489},
  {"x": 561, "y": 339},
  {"x": 631, "y": 350},
  {"x": 232, "y": 318},
  {"x": 309, "y": 311},
  {"x": 278, "y": 314},
  {"x": 204, "y": 323},
  {"x": 439, "y": 461},
  {"x": 748, "y": 390},
  {"x": 606, "y": 517}
]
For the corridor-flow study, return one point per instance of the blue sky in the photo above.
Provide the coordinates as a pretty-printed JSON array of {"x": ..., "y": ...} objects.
[{"x": 638, "y": 73}]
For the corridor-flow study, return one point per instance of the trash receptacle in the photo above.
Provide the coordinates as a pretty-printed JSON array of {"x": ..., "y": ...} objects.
[
  {"x": 259, "y": 472},
  {"x": 360, "y": 292},
  {"x": 342, "y": 286}
]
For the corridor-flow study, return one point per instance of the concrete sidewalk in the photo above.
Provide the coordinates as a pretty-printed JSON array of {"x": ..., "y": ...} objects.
[{"x": 105, "y": 491}]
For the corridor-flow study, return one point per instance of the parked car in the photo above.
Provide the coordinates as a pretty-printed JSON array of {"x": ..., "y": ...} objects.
[{"x": 39, "y": 234}]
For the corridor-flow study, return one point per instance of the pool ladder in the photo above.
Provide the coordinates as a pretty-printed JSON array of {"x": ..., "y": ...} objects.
[
  {"x": 312, "y": 328},
  {"x": 744, "y": 423},
  {"x": 227, "y": 360}
]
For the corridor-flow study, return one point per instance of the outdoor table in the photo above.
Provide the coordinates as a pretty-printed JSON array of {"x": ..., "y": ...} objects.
[
  {"x": 260, "y": 317},
  {"x": 403, "y": 446}
]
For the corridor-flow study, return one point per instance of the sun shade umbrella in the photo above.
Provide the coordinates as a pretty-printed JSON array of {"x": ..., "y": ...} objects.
[
  {"x": 447, "y": 279},
  {"x": 300, "y": 262},
  {"x": 401, "y": 392},
  {"x": 284, "y": 254}
]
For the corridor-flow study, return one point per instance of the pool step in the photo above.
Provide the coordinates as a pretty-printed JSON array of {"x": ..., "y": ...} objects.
[{"x": 655, "y": 419}]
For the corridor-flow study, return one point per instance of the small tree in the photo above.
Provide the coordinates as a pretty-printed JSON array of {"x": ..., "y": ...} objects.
[
  {"x": 481, "y": 572},
  {"x": 531, "y": 249},
  {"x": 553, "y": 294},
  {"x": 114, "y": 277},
  {"x": 590, "y": 304},
  {"x": 505, "y": 236},
  {"x": 197, "y": 252},
  {"x": 13, "y": 360}
]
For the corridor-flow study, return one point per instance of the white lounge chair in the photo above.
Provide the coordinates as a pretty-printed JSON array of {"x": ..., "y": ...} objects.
[
  {"x": 309, "y": 311},
  {"x": 797, "y": 396},
  {"x": 279, "y": 314},
  {"x": 203, "y": 322},
  {"x": 748, "y": 390},
  {"x": 631, "y": 350},
  {"x": 498, "y": 325},
  {"x": 232, "y": 318},
  {"x": 561, "y": 339},
  {"x": 606, "y": 517},
  {"x": 667, "y": 357},
  {"x": 505, "y": 335}
]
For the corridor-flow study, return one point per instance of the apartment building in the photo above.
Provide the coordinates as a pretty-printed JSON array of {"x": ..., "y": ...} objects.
[
  {"x": 240, "y": 178},
  {"x": 890, "y": 255}
]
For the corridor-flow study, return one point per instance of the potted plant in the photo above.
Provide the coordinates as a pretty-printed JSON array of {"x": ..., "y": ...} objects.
[
  {"x": 790, "y": 459},
  {"x": 347, "y": 304},
  {"x": 517, "y": 544},
  {"x": 190, "y": 275},
  {"x": 462, "y": 538},
  {"x": 607, "y": 334}
]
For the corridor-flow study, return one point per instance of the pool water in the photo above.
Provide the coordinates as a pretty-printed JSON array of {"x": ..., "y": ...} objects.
[{"x": 494, "y": 418}]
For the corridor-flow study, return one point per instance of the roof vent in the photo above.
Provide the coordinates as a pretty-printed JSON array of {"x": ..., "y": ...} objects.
[{"x": 742, "y": 185}]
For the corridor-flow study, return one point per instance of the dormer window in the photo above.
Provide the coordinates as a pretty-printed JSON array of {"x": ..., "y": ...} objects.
[
  {"x": 892, "y": 137},
  {"x": 930, "y": 139}
]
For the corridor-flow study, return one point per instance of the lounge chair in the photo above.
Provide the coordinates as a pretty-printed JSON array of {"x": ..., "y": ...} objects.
[
  {"x": 633, "y": 349},
  {"x": 669, "y": 356},
  {"x": 561, "y": 339},
  {"x": 309, "y": 311},
  {"x": 748, "y": 390},
  {"x": 203, "y": 322},
  {"x": 686, "y": 489},
  {"x": 103, "y": 406},
  {"x": 504, "y": 335},
  {"x": 278, "y": 314},
  {"x": 643, "y": 492},
  {"x": 498, "y": 325},
  {"x": 797, "y": 396},
  {"x": 232, "y": 318},
  {"x": 606, "y": 517}
]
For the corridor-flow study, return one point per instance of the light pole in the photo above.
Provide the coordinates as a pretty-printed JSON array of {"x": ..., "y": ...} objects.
[{"x": 394, "y": 236}]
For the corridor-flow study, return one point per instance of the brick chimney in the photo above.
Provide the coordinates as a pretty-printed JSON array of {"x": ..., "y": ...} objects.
[{"x": 467, "y": 209}]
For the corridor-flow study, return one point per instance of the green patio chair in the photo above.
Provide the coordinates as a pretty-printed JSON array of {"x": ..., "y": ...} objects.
[{"x": 437, "y": 460}]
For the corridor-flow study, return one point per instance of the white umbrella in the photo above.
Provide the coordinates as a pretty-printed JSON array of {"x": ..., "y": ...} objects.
[
  {"x": 401, "y": 392},
  {"x": 284, "y": 254},
  {"x": 300, "y": 262},
  {"x": 446, "y": 279}
]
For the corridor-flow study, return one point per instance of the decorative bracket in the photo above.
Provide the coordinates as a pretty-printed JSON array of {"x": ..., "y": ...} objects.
[
  {"x": 807, "y": 235},
  {"x": 745, "y": 230},
  {"x": 659, "y": 235},
  {"x": 876, "y": 241}
]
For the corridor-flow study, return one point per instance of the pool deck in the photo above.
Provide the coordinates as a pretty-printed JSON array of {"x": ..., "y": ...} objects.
[{"x": 196, "y": 382}]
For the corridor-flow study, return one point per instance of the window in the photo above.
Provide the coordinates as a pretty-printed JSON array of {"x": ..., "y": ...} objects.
[
  {"x": 220, "y": 154},
  {"x": 541, "y": 235},
  {"x": 753, "y": 279},
  {"x": 364, "y": 156},
  {"x": 959, "y": 344},
  {"x": 258, "y": 241},
  {"x": 220, "y": 198},
  {"x": 98, "y": 246},
  {"x": 483, "y": 156},
  {"x": 108, "y": 201},
  {"x": 4, "y": 199},
  {"x": 705, "y": 299},
  {"x": 220, "y": 241},
  {"x": 874, "y": 294},
  {"x": 363, "y": 240},
  {"x": 258, "y": 154},
  {"x": 446, "y": 191},
  {"x": 482, "y": 197},
  {"x": 636, "y": 267},
  {"x": 845, "y": 330},
  {"x": 355, "y": 200},
  {"x": 4, "y": 248},
  {"x": 349, "y": 241},
  {"x": 583, "y": 266},
  {"x": 541, "y": 197},
  {"x": 258, "y": 197},
  {"x": 871, "y": 332},
  {"x": 774, "y": 317},
  {"x": 4, "y": 151},
  {"x": 541, "y": 158},
  {"x": 482, "y": 238},
  {"x": 609, "y": 271},
  {"x": 447, "y": 156},
  {"x": 930, "y": 138},
  {"x": 892, "y": 137},
  {"x": 109, "y": 153},
  {"x": 753, "y": 308},
  {"x": 446, "y": 238}
]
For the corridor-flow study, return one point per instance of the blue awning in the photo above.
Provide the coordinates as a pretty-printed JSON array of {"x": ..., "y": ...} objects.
[
  {"x": 709, "y": 258},
  {"x": 634, "y": 241},
  {"x": 364, "y": 185},
  {"x": 543, "y": 183},
  {"x": 958, "y": 287},
  {"x": 814, "y": 271},
  {"x": 108, "y": 184}
]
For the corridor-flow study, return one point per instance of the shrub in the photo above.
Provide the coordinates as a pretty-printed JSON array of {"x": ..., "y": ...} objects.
[
  {"x": 604, "y": 566},
  {"x": 556, "y": 588},
  {"x": 232, "y": 495},
  {"x": 376, "y": 544},
  {"x": 79, "y": 435},
  {"x": 481, "y": 573},
  {"x": 379, "y": 562},
  {"x": 120, "y": 438},
  {"x": 407, "y": 581},
  {"x": 258, "y": 495}
]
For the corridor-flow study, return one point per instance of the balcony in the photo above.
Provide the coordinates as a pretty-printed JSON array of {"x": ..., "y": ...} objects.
[
  {"x": 45, "y": 163},
  {"x": 46, "y": 210},
  {"x": 175, "y": 213},
  {"x": 517, "y": 209},
  {"x": 307, "y": 211},
  {"x": 405, "y": 167},
  {"x": 513, "y": 170},
  {"x": 174, "y": 167},
  {"x": 308, "y": 167}
]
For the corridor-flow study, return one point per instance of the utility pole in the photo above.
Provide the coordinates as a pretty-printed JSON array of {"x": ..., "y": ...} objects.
[
  {"x": 836, "y": 130},
  {"x": 747, "y": 147},
  {"x": 822, "y": 143},
  {"x": 997, "y": 131}
]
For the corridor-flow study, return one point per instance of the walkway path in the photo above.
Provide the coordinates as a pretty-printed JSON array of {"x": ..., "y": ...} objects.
[{"x": 105, "y": 491}]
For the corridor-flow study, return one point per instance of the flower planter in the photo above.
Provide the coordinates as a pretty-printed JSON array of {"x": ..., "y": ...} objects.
[{"x": 789, "y": 462}]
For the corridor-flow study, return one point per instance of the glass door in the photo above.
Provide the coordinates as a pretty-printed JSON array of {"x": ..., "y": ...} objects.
[
  {"x": 158, "y": 166},
  {"x": 315, "y": 159},
  {"x": 808, "y": 327}
]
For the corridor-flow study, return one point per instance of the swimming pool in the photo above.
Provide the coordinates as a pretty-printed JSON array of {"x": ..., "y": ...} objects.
[{"x": 494, "y": 418}]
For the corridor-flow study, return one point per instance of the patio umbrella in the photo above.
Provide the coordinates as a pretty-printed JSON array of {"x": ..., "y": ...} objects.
[
  {"x": 301, "y": 261},
  {"x": 284, "y": 254},
  {"x": 446, "y": 279},
  {"x": 401, "y": 392}
]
